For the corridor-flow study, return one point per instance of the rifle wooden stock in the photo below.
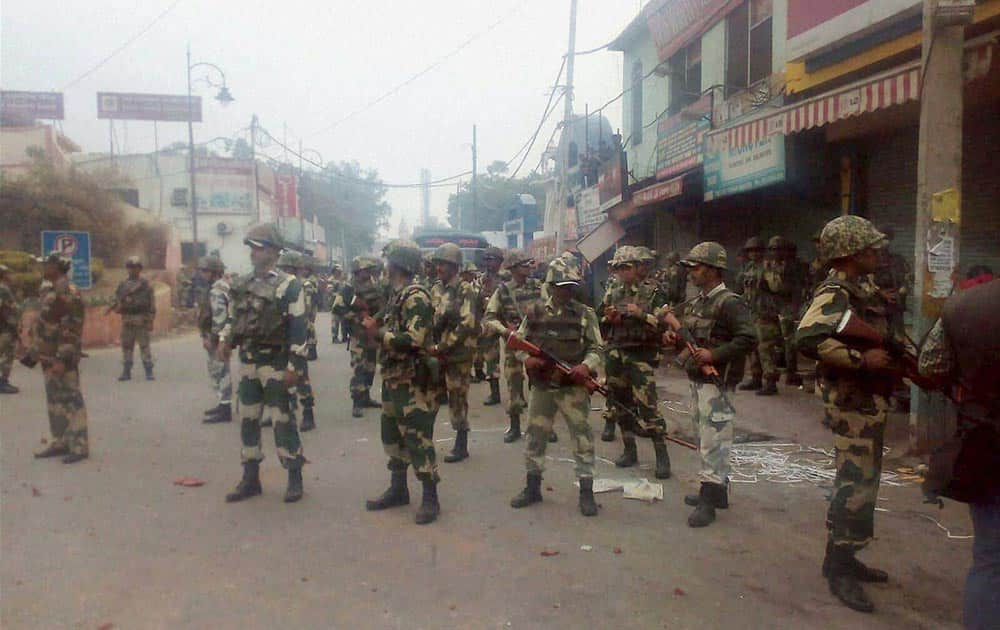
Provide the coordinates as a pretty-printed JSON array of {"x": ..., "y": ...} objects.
[{"x": 708, "y": 370}]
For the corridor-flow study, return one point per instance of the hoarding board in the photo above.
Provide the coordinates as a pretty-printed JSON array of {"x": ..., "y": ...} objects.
[
  {"x": 225, "y": 186},
  {"x": 162, "y": 107},
  {"x": 730, "y": 170},
  {"x": 681, "y": 139},
  {"x": 673, "y": 24},
  {"x": 48, "y": 105},
  {"x": 813, "y": 26},
  {"x": 74, "y": 245},
  {"x": 588, "y": 210}
]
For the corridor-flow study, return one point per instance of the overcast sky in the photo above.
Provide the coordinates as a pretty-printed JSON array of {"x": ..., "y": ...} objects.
[{"x": 307, "y": 64}]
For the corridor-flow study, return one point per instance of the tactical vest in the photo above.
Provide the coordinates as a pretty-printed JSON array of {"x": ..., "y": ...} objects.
[
  {"x": 972, "y": 326},
  {"x": 398, "y": 364},
  {"x": 632, "y": 332},
  {"x": 374, "y": 296},
  {"x": 559, "y": 334},
  {"x": 515, "y": 301},
  {"x": 258, "y": 316},
  {"x": 138, "y": 300},
  {"x": 487, "y": 286}
]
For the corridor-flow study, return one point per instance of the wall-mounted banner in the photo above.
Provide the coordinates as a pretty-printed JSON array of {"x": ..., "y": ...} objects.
[
  {"x": 47, "y": 105},
  {"x": 163, "y": 107},
  {"x": 730, "y": 170},
  {"x": 225, "y": 185},
  {"x": 680, "y": 139}
]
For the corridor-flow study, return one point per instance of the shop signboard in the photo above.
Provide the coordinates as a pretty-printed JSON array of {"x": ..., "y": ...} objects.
[
  {"x": 588, "y": 210},
  {"x": 681, "y": 139},
  {"x": 162, "y": 107},
  {"x": 734, "y": 169},
  {"x": 814, "y": 26},
  {"x": 31, "y": 105}
]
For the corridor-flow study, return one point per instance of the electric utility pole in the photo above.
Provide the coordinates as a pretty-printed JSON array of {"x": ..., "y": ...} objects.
[
  {"x": 567, "y": 126},
  {"x": 475, "y": 191}
]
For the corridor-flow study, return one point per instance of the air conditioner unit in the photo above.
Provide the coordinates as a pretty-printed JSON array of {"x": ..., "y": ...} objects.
[{"x": 222, "y": 228}]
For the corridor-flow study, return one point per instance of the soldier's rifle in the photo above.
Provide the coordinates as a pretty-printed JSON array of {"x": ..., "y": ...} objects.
[
  {"x": 516, "y": 344},
  {"x": 860, "y": 335},
  {"x": 707, "y": 369}
]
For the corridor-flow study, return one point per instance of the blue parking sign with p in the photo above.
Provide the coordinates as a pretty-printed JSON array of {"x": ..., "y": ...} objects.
[{"x": 76, "y": 246}]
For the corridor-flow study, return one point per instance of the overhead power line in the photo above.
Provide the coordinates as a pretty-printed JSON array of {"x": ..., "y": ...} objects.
[
  {"x": 526, "y": 147},
  {"x": 122, "y": 47}
]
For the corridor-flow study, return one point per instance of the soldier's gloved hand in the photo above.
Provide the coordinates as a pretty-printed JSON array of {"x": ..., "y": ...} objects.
[
  {"x": 876, "y": 360},
  {"x": 580, "y": 374}
]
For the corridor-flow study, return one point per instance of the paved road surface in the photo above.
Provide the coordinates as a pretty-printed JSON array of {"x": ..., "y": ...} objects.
[{"x": 113, "y": 541}]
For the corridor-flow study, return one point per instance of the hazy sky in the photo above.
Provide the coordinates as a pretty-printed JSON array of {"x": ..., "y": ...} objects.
[{"x": 308, "y": 64}]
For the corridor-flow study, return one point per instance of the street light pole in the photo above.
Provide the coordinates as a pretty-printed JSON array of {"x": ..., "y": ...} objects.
[{"x": 191, "y": 162}]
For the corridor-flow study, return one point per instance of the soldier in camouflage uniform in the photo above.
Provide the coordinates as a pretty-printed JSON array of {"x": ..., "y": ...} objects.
[
  {"x": 267, "y": 316},
  {"x": 294, "y": 263},
  {"x": 894, "y": 278},
  {"x": 338, "y": 330},
  {"x": 10, "y": 327},
  {"x": 56, "y": 342},
  {"x": 748, "y": 285},
  {"x": 410, "y": 384},
  {"x": 504, "y": 314},
  {"x": 632, "y": 332},
  {"x": 489, "y": 342},
  {"x": 855, "y": 384},
  {"x": 672, "y": 278},
  {"x": 213, "y": 315},
  {"x": 364, "y": 296},
  {"x": 455, "y": 340},
  {"x": 567, "y": 329},
  {"x": 719, "y": 321},
  {"x": 783, "y": 283},
  {"x": 135, "y": 302}
]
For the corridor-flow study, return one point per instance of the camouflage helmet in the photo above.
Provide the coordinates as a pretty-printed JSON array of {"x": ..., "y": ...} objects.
[
  {"x": 708, "y": 253},
  {"x": 516, "y": 258},
  {"x": 470, "y": 267},
  {"x": 624, "y": 255},
  {"x": 562, "y": 273},
  {"x": 753, "y": 243},
  {"x": 405, "y": 255},
  {"x": 291, "y": 258},
  {"x": 780, "y": 242},
  {"x": 133, "y": 261},
  {"x": 448, "y": 253},
  {"x": 64, "y": 263},
  {"x": 494, "y": 253},
  {"x": 264, "y": 235},
  {"x": 849, "y": 235},
  {"x": 362, "y": 263},
  {"x": 672, "y": 258},
  {"x": 644, "y": 255},
  {"x": 212, "y": 263}
]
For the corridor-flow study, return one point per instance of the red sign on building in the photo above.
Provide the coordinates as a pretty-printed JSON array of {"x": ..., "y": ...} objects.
[{"x": 286, "y": 196}]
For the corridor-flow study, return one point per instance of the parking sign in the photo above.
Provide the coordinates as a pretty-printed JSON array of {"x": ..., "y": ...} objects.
[{"x": 75, "y": 245}]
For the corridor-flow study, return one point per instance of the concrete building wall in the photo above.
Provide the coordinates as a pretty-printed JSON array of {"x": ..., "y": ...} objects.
[{"x": 655, "y": 96}]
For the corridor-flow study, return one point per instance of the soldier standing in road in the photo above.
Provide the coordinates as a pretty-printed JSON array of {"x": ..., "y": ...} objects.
[
  {"x": 894, "y": 278},
  {"x": 568, "y": 330},
  {"x": 489, "y": 342},
  {"x": 56, "y": 341},
  {"x": 855, "y": 384},
  {"x": 719, "y": 321},
  {"x": 632, "y": 354},
  {"x": 363, "y": 296},
  {"x": 10, "y": 330},
  {"x": 135, "y": 302},
  {"x": 409, "y": 384},
  {"x": 294, "y": 263},
  {"x": 672, "y": 278},
  {"x": 785, "y": 277},
  {"x": 504, "y": 314},
  {"x": 268, "y": 323},
  {"x": 213, "y": 315},
  {"x": 455, "y": 334},
  {"x": 748, "y": 285},
  {"x": 338, "y": 330}
]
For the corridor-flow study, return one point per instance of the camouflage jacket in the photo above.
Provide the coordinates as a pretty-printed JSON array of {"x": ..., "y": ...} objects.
[
  {"x": 782, "y": 285},
  {"x": 311, "y": 291},
  {"x": 58, "y": 330},
  {"x": 673, "y": 282},
  {"x": 10, "y": 313},
  {"x": 135, "y": 297},
  {"x": 406, "y": 333},
  {"x": 218, "y": 300},
  {"x": 632, "y": 331},
  {"x": 485, "y": 285},
  {"x": 454, "y": 320},
  {"x": 267, "y": 319},
  {"x": 748, "y": 282},
  {"x": 509, "y": 303}
]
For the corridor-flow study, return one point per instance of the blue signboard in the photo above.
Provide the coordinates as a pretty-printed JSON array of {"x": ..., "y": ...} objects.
[
  {"x": 75, "y": 245},
  {"x": 729, "y": 171}
]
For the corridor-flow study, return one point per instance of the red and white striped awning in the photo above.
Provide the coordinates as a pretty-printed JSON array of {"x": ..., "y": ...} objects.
[{"x": 894, "y": 87}]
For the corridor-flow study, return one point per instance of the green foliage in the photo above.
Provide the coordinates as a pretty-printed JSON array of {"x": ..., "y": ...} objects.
[
  {"x": 349, "y": 202},
  {"x": 495, "y": 195}
]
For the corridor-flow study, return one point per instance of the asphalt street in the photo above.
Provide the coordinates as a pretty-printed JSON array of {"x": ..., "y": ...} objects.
[{"x": 112, "y": 542}]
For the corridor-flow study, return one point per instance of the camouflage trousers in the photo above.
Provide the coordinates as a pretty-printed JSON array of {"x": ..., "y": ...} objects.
[
  {"x": 408, "y": 415},
  {"x": 135, "y": 328},
  {"x": 304, "y": 389},
  {"x": 263, "y": 395},
  {"x": 713, "y": 420},
  {"x": 67, "y": 413},
  {"x": 222, "y": 380},
  {"x": 769, "y": 342},
  {"x": 513, "y": 373},
  {"x": 756, "y": 369},
  {"x": 363, "y": 357},
  {"x": 631, "y": 382},
  {"x": 8, "y": 343},
  {"x": 457, "y": 379},
  {"x": 858, "y": 437},
  {"x": 488, "y": 347},
  {"x": 573, "y": 401}
]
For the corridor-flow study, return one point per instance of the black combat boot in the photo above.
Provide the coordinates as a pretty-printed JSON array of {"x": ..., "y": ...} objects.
[
  {"x": 429, "y": 507},
  {"x": 126, "y": 371},
  {"x": 793, "y": 380},
  {"x": 369, "y": 402},
  {"x": 513, "y": 432},
  {"x": 356, "y": 409},
  {"x": 844, "y": 584},
  {"x": 629, "y": 456},
  {"x": 73, "y": 458},
  {"x": 478, "y": 375},
  {"x": 662, "y": 459},
  {"x": 752, "y": 385},
  {"x": 461, "y": 450},
  {"x": 6, "y": 387},
  {"x": 149, "y": 371},
  {"x": 708, "y": 498},
  {"x": 770, "y": 388},
  {"x": 587, "y": 505},
  {"x": 494, "y": 397},
  {"x": 51, "y": 451},
  {"x": 308, "y": 419},
  {"x": 249, "y": 486},
  {"x": 532, "y": 492},
  {"x": 721, "y": 499},
  {"x": 608, "y": 434},
  {"x": 397, "y": 494},
  {"x": 222, "y": 413},
  {"x": 860, "y": 570},
  {"x": 294, "y": 490}
]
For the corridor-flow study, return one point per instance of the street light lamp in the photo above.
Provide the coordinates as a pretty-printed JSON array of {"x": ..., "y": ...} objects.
[{"x": 224, "y": 98}]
